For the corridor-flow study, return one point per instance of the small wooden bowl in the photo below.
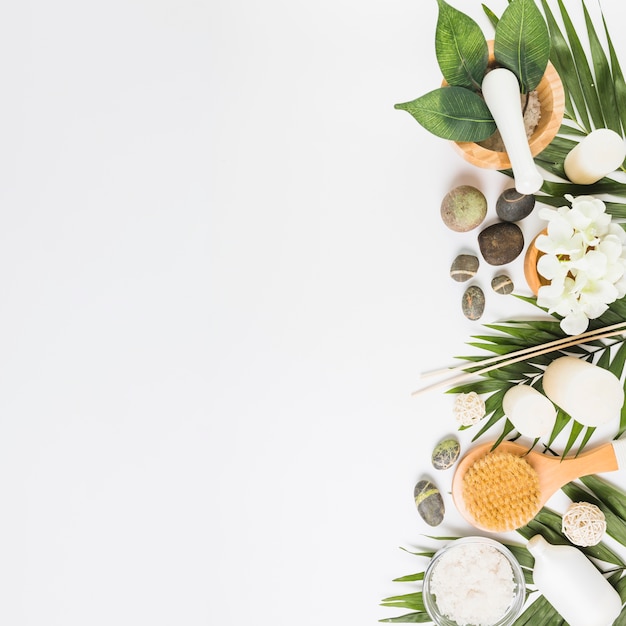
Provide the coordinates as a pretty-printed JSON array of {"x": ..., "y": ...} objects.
[
  {"x": 552, "y": 102},
  {"x": 532, "y": 276}
]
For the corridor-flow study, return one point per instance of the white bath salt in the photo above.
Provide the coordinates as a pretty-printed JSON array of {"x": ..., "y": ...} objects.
[{"x": 473, "y": 584}]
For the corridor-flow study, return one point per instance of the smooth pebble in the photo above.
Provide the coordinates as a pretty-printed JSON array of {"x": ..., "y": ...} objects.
[
  {"x": 463, "y": 208},
  {"x": 513, "y": 206},
  {"x": 501, "y": 243},
  {"x": 445, "y": 453},
  {"x": 429, "y": 502},
  {"x": 464, "y": 267},
  {"x": 502, "y": 284},
  {"x": 473, "y": 303}
]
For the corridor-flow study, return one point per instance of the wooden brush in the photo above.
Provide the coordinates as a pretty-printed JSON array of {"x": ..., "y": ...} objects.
[{"x": 503, "y": 488}]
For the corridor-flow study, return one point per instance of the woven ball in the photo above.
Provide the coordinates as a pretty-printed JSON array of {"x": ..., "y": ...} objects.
[
  {"x": 468, "y": 408},
  {"x": 584, "y": 524}
]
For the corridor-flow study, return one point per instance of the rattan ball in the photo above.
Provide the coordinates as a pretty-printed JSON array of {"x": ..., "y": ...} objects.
[
  {"x": 584, "y": 524},
  {"x": 468, "y": 408}
]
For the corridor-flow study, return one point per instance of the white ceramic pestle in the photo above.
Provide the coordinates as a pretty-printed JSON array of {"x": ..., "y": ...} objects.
[{"x": 502, "y": 95}]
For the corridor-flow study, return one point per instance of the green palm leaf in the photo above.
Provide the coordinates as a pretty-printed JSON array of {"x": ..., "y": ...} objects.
[
  {"x": 581, "y": 65},
  {"x": 618, "y": 78},
  {"x": 595, "y": 97},
  {"x": 511, "y": 336},
  {"x": 561, "y": 58},
  {"x": 603, "y": 80}
]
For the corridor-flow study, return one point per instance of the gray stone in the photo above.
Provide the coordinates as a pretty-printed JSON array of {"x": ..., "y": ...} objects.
[
  {"x": 464, "y": 267},
  {"x": 429, "y": 502},
  {"x": 463, "y": 208},
  {"x": 501, "y": 243},
  {"x": 502, "y": 284},
  {"x": 445, "y": 453},
  {"x": 513, "y": 206},
  {"x": 473, "y": 303}
]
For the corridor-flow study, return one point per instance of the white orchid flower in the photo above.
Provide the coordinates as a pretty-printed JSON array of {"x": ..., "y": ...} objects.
[{"x": 584, "y": 259}]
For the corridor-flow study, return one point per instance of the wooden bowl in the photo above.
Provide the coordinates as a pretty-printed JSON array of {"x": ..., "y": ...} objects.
[
  {"x": 532, "y": 276},
  {"x": 552, "y": 102}
]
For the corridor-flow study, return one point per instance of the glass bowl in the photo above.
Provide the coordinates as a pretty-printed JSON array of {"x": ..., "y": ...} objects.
[{"x": 475, "y": 567}]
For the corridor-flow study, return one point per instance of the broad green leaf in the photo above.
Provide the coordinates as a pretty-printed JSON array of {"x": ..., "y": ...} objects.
[
  {"x": 522, "y": 43},
  {"x": 453, "y": 113},
  {"x": 461, "y": 48}
]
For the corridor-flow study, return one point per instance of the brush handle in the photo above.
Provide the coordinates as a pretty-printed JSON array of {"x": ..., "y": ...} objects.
[
  {"x": 608, "y": 457},
  {"x": 502, "y": 95}
]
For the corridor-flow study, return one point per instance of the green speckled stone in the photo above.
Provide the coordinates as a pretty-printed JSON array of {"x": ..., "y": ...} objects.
[
  {"x": 429, "y": 502},
  {"x": 446, "y": 453}
]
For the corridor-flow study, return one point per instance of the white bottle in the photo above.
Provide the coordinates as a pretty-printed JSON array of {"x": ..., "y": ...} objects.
[{"x": 573, "y": 585}]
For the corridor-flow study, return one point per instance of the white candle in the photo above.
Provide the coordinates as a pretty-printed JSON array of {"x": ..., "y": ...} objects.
[
  {"x": 532, "y": 414},
  {"x": 588, "y": 393},
  {"x": 601, "y": 152}
]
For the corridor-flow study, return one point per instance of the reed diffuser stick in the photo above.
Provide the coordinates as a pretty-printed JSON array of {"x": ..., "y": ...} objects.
[{"x": 540, "y": 350}]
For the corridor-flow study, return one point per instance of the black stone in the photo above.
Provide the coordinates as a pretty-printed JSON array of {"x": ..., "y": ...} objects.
[
  {"x": 501, "y": 243},
  {"x": 513, "y": 206}
]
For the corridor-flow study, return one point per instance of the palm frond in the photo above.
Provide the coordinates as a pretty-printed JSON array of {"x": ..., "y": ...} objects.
[
  {"x": 595, "y": 97},
  {"x": 508, "y": 337}
]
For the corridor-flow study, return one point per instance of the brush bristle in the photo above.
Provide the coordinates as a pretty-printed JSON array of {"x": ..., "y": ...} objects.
[{"x": 501, "y": 491}]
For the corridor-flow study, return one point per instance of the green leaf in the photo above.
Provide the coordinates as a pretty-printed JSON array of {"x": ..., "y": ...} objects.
[
  {"x": 576, "y": 430},
  {"x": 409, "y": 578},
  {"x": 461, "y": 48},
  {"x": 611, "y": 495},
  {"x": 587, "y": 82},
  {"x": 522, "y": 43},
  {"x": 493, "y": 18},
  {"x": 603, "y": 79},
  {"x": 452, "y": 113},
  {"x": 412, "y": 601},
  {"x": 586, "y": 437},
  {"x": 562, "y": 419},
  {"x": 409, "y": 618},
  {"x": 561, "y": 58},
  {"x": 538, "y": 612},
  {"x": 618, "y": 77}
]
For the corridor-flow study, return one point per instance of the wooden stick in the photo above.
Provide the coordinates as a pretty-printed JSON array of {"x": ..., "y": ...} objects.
[
  {"x": 590, "y": 334},
  {"x": 543, "y": 350}
]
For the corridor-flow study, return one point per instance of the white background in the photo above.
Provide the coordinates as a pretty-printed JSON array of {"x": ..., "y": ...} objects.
[{"x": 222, "y": 270}]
